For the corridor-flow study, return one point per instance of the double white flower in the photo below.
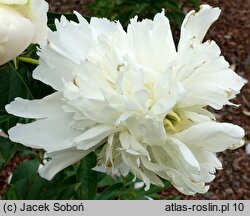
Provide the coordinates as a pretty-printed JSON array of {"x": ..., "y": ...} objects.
[
  {"x": 22, "y": 22},
  {"x": 137, "y": 96}
]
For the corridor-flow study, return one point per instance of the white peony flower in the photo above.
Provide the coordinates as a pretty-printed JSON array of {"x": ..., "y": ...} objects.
[
  {"x": 22, "y": 22},
  {"x": 137, "y": 96}
]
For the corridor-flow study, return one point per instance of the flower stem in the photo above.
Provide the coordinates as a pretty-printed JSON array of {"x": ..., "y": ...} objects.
[{"x": 28, "y": 60}]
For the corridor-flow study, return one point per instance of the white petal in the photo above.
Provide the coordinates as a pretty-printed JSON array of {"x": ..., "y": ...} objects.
[
  {"x": 78, "y": 35},
  {"x": 131, "y": 145},
  {"x": 208, "y": 163},
  {"x": 82, "y": 124},
  {"x": 93, "y": 136},
  {"x": 162, "y": 155},
  {"x": 96, "y": 110},
  {"x": 42, "y": 108},
  {"x": 190, "y": 60},
  {"x": 58, "y": 60},
  {"x": 109, "y": 147},
  {"x": 153, "y": 131},
  {"x": 141, "y": 97},
  {"x": 214, "y": 89},
  {"x": 132, "y": 163},
  {"x": 133, "y": 127},
  {"x": 17, "y": 2},
  {"x": 51, "y": 134},
  {"x": 180, "y": 153},
  {"x": 195, "y": 117},
  {"x": 176, "y": 179},
  {"x": 201, "y": 112},
  {"x": 89, "y": 83},
  {"x": 15, "y": 29},
  {"x": 154, "y": 179},
  {"x": 123, "y": 169},
  {"x": 38, "y": 15},
  {"x": 149, "y": 50},
  {"x": 215, "y": 137},
  {"x": 60, "y": 160},
  {"x": 196, "y": 25},
  {"x": 198, "y": 187},
  {"x": 165, "y": 103},
  {"x": 54, "y": 68},
  {"x": 152, "y": 166},
  {"x": 206, "y": 77},
  {"x": 124, "y": 116},
  {"x": 103, "y": 26}
]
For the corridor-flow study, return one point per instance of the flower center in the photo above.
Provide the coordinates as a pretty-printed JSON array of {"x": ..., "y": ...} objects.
[{"x": 173, "y": 122}]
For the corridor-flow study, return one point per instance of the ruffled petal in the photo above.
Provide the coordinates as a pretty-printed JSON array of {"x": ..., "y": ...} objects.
[
  {"x": 182, "y": 155},
  {"x": 93, "y": 136},
  {"x": 57, "y": 54},
  {"x": 152, "y": 131},
  {"x": 51, "y": 134},
  {"x": 196, "y": 25},
  {"x": 214, "y": 137},
  {"x": 36, "y": 109},
  {"x": 60, "y": 160},
  {"x": 209, "y": 163},
  {"x": 206, "y": 77},
  {"x": 131, "y": 145},
  {"x": 177, "y": 181},
  {"x": 49, "y": 62},
  {"x": 102, "y": 26},
  {"x": 148, "y": 49}
]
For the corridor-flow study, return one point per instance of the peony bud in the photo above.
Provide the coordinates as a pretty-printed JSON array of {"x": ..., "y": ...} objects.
[{"x": 22, "y": 22}]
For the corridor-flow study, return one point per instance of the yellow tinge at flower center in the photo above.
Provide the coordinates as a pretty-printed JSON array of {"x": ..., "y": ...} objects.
[{"x": 173, "y": 122}]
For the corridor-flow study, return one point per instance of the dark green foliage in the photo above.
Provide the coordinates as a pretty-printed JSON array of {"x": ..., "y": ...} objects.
[
  {"x": 77, "y": 182},
  {"x": 7, "y": 150},
  {"x": 123, "y": 188},
  {"x": 123, "y": 10},
  {"x": 87, "y": 178}
]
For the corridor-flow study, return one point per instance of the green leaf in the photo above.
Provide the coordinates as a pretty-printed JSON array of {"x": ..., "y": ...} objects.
[
  {"x": 176, "y": 17},
  {"x": 106, "y": 180},
  {"x": 142, "y": 194},
  {"x": 12, "y": 194},
  {"x": 7, "y": 150},
  {"x": 18, "y": 82},
  {"x": 24, "y": 177},
  {"x": 111, "y": 192},
  {"x": 28, "y": 185},
  {"x": 169, "y": 4},
  {"x": 194, "y": 3},
  {"x": 13, "y": 85},
  {"x": 87, "y": 178},
  {"x": 26, "y": 152}
]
